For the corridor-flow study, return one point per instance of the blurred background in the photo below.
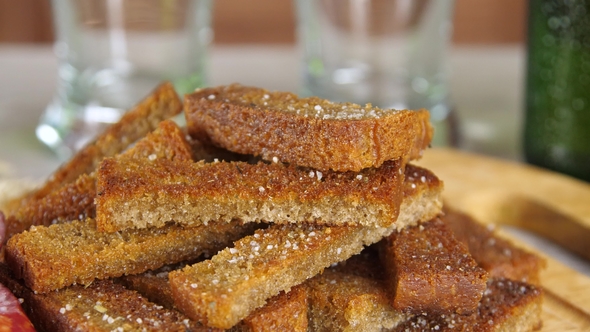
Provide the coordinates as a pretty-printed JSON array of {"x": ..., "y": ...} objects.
[
  {"x": 487, "y": 62},
  {"x": 271, "y": 21}
]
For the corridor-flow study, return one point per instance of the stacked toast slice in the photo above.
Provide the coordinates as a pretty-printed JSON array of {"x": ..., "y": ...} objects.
[{"x": 274, "y": 213}]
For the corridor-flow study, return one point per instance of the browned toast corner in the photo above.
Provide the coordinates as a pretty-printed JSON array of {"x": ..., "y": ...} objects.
[
  {"x": 75, "y": 200},
  {"x": 431, "y": 271},
  {"x": 134, "y": 194},
  {"x": 308, "y": 132},
  {"x": 507, "y": 305},
  {"x": 500, "y": 257}
]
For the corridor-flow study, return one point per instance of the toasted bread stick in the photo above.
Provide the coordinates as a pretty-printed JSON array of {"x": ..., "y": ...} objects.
[
  {"x": 134, "y": 194},
  {"x": 103, "y": 306},
  {"x": 161, "y": 104},
  {"x": 431, "y": 271},
  {"x": 228, "y": 287},
  {"x": 76, "y": 200},
  {"x": 50, "y": 258},
  {"x": 506, "y": 306},
  {"x": 308, "y": 132},
  {"x": 500, "y": 257}
]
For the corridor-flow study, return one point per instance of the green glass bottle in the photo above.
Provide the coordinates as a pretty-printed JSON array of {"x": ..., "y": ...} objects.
[{"x": 557, "y": 122}]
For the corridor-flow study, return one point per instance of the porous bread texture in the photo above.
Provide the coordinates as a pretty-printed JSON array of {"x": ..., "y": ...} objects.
[
  {"x": 431, "y": 271},
  {"x": 310, "y": 132},
  {"x": 506, "y": 306},
  {"x": 161, "y": 104},
  {"x": 347, "y": 302},
  {"x": 500, "y": 257},
  {"x": 75, "y": 201},
  {"x": 134, "y": 194},
  {"x": 228, "y": 287},
  {"x": 49, "y": 258},
  {"x": 102, "y": 306}
]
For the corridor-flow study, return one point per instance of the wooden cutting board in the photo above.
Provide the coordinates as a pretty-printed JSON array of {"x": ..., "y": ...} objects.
[{"x": 552, "y": 205}]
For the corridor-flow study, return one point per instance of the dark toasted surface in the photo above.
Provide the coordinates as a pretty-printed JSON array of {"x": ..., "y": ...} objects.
[
  {"x": 506, "y": 306},
  {"x": 102, "y": 306},
  {"x": 161, "y": 104},
  {"x": 140, "y": 194},
  {"x": 500, "y": 257},
  {"x": 154, "y": 284},
  {"x": 50, "y": 258},
  {"x": 287, "y": 311},
  {"x": 430, "y": 271},
  {"x": 308, "y": 131}
]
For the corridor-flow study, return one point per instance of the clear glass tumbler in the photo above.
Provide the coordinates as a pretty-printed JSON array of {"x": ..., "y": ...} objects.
[
  {"x": 391, "y": 53},
  {"x": 112, "y": 53}
]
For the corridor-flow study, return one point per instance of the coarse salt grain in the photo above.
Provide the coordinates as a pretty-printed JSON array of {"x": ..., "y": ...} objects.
[
  {"x": 211, "y": 97},
  {"x": 152, "y": 157}
]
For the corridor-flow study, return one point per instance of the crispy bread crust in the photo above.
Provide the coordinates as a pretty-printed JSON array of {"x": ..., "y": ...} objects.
[
  {"x": 228, "y": 287},
  {"x": 431, "y": 271},
  {"x": 75, "y": 201},
  {"x": 500, "y": 257},
  {"x": 323, "y": 135},
  {"x": 72, "y": 201},
  {"x": 161, "y": 104},
  {"x": 506, "y": 306},
  {"x": 139, "y": 194},
  {"x": 102, "y": 306},
  {"x": 284, "y": 312},
  {"x": 50, "y": 258}
]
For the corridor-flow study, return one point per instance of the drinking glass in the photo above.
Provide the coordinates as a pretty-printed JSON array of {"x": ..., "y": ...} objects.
[
  {"x": 112, "y": 53},
  {"x": 391, "y": 53}
]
